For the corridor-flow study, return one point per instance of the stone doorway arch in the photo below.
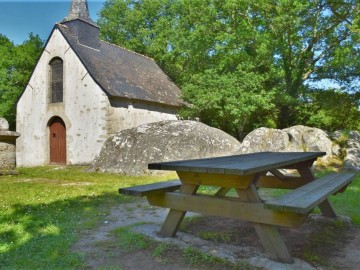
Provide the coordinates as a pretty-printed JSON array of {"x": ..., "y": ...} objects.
[{"x": 57, "y": 140}]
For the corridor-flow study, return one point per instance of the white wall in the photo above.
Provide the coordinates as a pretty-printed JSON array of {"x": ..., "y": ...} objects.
[
  {"x": 125, "y": 114},
  {"x": 84, "y": 110}
]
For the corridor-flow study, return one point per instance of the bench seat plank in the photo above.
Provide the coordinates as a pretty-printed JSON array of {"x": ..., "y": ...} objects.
[
  {"x": 305, "y": 198},
  {"x": 144, "y": 190}
]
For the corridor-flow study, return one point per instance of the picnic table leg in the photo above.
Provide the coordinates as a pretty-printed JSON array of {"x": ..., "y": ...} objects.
[
  {"x": 175, "y": 217},
  {"x": 269, "y": 235},
  {"x": 222, "y": 191},
  {"x": 325, "y": 207}
]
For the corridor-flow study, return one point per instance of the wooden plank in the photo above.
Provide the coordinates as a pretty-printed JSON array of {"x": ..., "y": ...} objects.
[
  {"x": 239, "y": 164},
  {"x": 217, "y": 180},
  {"x": 312, "y": 198},
  {"x": 175, "y": 216},
  {"x": 273, "y": 243},
  {"x": 144, "y": 190},
  {"x": 289, "y": 182},
  {"x": 225, "y": 207},
  {"x": 222, "y": 192},
  {"x": 325, "y": 207},
  {"x": 268, "y": 234},
  {"x": 307, "y": 197}
]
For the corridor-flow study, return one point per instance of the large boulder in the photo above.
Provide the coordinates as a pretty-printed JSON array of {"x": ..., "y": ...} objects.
[
  {"x": 309, "y": 139},
  {"x": 294, "y": 139},
  {"x": 265, "y": 139},
  {"x": 352, "y": 159},
  {"x": 130, "y": 151}
]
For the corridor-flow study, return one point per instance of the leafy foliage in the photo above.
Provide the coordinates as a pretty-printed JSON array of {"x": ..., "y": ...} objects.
[
  {"x": 332, "y": 110},
  {"x": 216, "y": 98},
  {"x": 245, "y": 63},
  {"x": 16, "y": 65}
]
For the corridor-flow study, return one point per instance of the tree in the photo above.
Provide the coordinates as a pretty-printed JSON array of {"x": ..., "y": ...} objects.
[
  {"x": 217, "y": 98},
  {"x": 16, "y": 66},
  {"x": 332, "y": 110},
  {"x": 7, "y": 53},
  {"x": 313, "y": 41},
  {"x": 209, "y": 46}
]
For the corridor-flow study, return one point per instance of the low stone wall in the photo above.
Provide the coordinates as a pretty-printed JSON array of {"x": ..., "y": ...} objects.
[{"x": 7, "y": 148}]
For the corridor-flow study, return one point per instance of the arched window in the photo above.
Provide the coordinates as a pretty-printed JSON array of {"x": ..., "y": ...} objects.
[{"x": 56, "y": 80}]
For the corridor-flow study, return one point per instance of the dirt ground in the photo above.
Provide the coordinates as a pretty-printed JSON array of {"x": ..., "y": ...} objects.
[{"x": 317, "y": 244}]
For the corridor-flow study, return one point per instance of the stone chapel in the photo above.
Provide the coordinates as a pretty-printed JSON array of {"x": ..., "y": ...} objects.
[{"x": 83, "y": 90}]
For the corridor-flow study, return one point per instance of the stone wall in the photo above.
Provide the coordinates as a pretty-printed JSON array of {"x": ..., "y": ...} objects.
[{"x": 7, "y": 148}]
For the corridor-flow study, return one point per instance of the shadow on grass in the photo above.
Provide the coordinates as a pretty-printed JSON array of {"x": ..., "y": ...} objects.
[{"x": 39, "y": 236}]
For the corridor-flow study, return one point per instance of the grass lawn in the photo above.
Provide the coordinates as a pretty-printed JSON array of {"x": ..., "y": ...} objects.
[{"x": 43, "y": 210}]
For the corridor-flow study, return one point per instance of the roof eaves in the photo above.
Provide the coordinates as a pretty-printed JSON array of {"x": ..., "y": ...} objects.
[{"x": 147, "y": 101}]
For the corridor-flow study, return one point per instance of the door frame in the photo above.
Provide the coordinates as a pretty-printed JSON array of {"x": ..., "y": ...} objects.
[{"x": 50, "y": 122}]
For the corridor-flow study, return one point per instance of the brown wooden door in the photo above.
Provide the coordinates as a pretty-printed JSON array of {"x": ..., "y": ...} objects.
[{"x": 57, "y": 141}]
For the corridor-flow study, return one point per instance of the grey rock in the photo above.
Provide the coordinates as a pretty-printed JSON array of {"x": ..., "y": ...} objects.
[
  {"x": 309, "y": 139},
  {"x": 294, "y": 139},
  {"x": 4, "y": 125},
  {"x": 7, "y": 150},
  {"x": 130, "y": 151},
  {"x": 352, "y": 159},
  {"x": 265, "y": 139}
]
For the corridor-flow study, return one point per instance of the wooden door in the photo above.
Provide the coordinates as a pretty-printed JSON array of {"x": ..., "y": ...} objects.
[{"x": 57, "y": 141}]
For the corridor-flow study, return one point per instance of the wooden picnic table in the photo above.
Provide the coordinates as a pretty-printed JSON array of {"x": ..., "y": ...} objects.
[{"x": 246, "y": 173}]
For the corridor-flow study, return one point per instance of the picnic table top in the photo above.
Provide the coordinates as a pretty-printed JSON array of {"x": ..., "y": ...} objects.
[{"x": 238, "y": 164}]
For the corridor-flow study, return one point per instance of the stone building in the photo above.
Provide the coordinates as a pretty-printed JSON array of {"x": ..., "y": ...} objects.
[{"x": 83, "y": 90}]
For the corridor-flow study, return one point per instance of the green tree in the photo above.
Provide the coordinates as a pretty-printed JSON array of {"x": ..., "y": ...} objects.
[
  {"x": 16, "y": 66},
  {"x": 209, "y": 46},
  {"x": 216, "y": 99},
  {"x": 313, "y": 41},
  {"x": 7, "y": 66},
  {"x": 332, "y": 110}
]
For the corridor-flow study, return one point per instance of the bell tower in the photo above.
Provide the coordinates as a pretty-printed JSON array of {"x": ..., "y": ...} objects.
[
  {"x": 79, "y": 10},
  {"x": 79, "y": 23}
]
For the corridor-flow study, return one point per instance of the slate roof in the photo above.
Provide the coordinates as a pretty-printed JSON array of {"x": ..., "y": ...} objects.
[{"x": 118, "y": 71}]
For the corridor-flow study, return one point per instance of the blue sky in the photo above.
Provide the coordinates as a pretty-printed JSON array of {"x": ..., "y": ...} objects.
[{"x": 20, "y": 17}]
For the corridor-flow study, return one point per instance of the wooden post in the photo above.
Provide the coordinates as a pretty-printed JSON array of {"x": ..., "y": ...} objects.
[
  {"x": 268, "y": 234},
  {"x": 175, "y": 217}
]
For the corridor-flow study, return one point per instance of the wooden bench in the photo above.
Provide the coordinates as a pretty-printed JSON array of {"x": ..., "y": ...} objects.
[
  {"x": 149, "y": 189},
  {"x": 305, "y": 198}
]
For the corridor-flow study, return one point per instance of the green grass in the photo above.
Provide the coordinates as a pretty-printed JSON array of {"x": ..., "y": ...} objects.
[
  {"x": 43, "y": 209},
  {"x": 129, "y": 241},
  {"x": 348, "y": 203}
]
